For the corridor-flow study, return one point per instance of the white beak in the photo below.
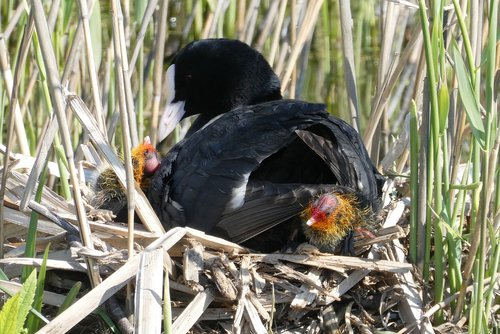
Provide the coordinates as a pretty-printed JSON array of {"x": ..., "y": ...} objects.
[
  {"x": 173, "y": 112},
  {"x": 171, "y": 117},
  {"x": 311, "y": 221}
]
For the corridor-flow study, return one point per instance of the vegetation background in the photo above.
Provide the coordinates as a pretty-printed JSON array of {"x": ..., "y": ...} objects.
[{"x": 419, "y": 79}]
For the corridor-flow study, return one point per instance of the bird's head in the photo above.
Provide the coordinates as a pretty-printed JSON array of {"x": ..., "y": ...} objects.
[
  {"x": 213, "y": 76},
  {"x": 330, "y": 212},
  {"x": 145, "y": 162},
  {"x": 330, "y": 217}
]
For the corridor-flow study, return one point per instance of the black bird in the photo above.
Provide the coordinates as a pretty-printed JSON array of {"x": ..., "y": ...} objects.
[{"x": 257, "y": 171}]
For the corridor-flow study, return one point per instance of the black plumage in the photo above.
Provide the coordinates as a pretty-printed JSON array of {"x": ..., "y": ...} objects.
[
  {"x": 253, "y": 169},
  {"x": 213, "y": 76}
]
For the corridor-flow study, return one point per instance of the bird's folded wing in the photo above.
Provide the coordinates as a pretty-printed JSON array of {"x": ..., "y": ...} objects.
[
  {"x": 267, "y": 205},
  {"x": 348, "y": 161}
]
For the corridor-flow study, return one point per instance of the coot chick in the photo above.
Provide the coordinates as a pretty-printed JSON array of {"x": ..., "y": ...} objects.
[
  {"x": 109, "y": 194},
  {"x": 335, "y": 215},
  {"x": 252, "y": 169}
]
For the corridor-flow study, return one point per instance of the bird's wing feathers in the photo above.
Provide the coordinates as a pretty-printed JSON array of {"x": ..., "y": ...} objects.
[
  {"x": 214, "y": 164},
  {"x": 159, "y": 192},
  {"x": 266, "y": 205},
  {"x": 326, "y": 150},
  {"x": 341, "y": 148},
  {"x": 207, "y": 179}
]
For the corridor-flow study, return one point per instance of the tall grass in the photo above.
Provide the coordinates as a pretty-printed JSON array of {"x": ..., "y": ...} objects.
[
  {"x": 452, "y": 235},
  {"x": 434, "y": 63}
]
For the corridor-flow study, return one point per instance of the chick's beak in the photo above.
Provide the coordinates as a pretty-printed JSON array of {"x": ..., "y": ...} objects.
[{"x": 311, "y": 221}]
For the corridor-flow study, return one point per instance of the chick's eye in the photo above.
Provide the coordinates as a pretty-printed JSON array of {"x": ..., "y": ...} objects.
[{"x": 328, "y": 212}]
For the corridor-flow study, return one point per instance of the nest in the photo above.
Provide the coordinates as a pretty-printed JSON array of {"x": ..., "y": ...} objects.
[
  {"x": 306, "y": 291},
  {"x": 217, "y": 285}
]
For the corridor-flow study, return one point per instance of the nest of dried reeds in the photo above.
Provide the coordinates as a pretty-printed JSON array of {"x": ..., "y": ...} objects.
[{"x": 216, "y": 285}]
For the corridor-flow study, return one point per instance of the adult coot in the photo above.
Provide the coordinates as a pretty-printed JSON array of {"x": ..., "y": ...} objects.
[
  {"x": 260, "y": 173},
  {"x": 212, "y": 76}
]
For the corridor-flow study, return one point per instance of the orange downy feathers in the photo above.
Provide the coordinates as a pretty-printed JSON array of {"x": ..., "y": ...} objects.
[
  {"x": 331, "y": 217},
  {"x": 109, "y": 193},
  {"x": 145, "y": 162}
]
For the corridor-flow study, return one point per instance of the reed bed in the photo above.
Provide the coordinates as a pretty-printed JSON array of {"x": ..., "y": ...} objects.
[{"x": 82, "y": 82}]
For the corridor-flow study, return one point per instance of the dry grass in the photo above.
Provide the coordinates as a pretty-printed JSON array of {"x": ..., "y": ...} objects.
[{"x": 60, "y": 62}]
